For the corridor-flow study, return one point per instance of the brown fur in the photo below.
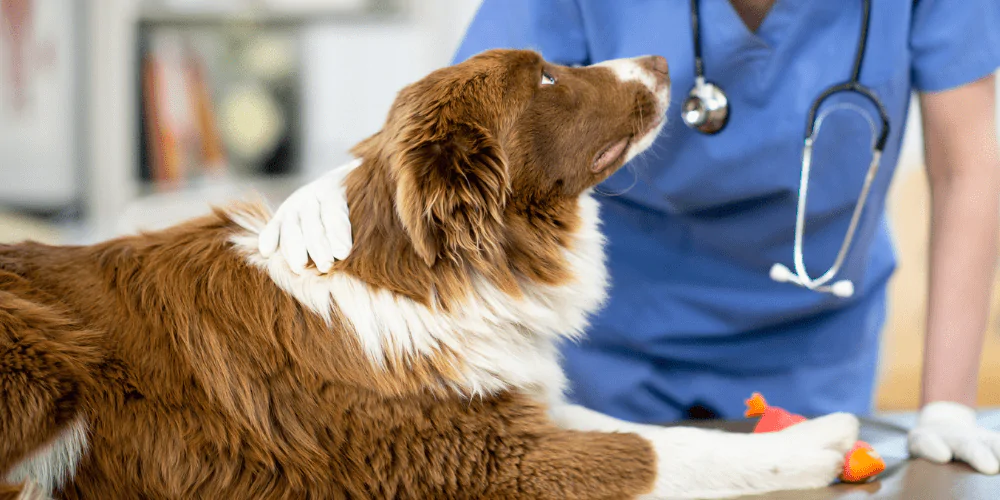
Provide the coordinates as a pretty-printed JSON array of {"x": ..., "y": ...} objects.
[
  {"x": 470, "y": 147},
  {"x": 199, "y": 378}
]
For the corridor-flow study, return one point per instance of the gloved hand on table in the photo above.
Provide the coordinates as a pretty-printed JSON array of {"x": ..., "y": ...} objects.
[{"x": 947, "y": 431}]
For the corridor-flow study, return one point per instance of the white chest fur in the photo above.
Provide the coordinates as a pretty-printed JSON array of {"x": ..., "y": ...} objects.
[
  {"x": 47, "y": 469},
  {"x": 504, "y": 342}
]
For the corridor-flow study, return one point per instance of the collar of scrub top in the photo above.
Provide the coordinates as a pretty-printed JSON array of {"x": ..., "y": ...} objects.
[{"x": 779, "y": 272}]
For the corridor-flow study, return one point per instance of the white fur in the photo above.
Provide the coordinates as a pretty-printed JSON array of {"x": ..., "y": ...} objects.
[
  {"x": 701, "y": 463},
  {"x": 30, "y": 491},
  {"x": 48, "y": 468},
  {"x": 628, "y": 70},
  {"x": 503, "y": 342}
]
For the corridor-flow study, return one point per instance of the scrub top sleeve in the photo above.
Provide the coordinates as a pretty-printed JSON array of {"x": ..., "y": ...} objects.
[
  {"x": 552, "y": 27},
  {"x": 953, "y": 42}
]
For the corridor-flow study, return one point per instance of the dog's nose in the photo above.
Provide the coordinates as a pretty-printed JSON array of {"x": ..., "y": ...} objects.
[{"x": 657, "y": 65}]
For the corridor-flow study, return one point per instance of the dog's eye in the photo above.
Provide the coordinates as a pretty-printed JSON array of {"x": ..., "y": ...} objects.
[{"x": 548, "y": 79}]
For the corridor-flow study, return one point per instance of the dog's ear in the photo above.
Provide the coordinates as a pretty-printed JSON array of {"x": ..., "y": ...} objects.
[{"x": 451, "y": 189}]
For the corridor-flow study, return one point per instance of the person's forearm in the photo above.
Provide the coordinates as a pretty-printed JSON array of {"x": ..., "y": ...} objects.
[{"x": 963, "y": 255}]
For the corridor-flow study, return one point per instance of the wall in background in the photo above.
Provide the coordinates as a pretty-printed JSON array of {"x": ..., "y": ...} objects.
[
  {"x": 352, "y": 73},
  {"x": 40, "y": 92},
  {"x": 350, "y": 70}
]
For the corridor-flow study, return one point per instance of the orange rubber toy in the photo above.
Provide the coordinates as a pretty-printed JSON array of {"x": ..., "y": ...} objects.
[{"x": 861, "y": 463}]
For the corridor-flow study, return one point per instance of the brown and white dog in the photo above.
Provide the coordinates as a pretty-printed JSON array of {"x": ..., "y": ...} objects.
[{"x": 183, "y": 364}]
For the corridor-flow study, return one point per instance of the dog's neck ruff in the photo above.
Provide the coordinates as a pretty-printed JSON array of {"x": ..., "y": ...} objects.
[{"x": 500, "y": 342}]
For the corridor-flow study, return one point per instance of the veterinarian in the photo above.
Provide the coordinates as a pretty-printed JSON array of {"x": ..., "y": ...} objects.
[{"x": 712, "y": 297}]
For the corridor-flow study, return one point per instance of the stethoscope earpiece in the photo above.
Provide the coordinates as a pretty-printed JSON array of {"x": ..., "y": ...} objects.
[
  {"x": 843, "y": 289},
  {"x": 782, "y": 274}
]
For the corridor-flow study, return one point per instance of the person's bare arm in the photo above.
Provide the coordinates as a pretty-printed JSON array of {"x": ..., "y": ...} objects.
[{"x": 963, "y": 165}]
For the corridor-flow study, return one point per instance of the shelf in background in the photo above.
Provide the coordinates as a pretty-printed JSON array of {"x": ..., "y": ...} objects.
[
  {"x": 368, "y": 11},
  {"x": 157, "y": 208},
  {"x": 266, "y": 184}
]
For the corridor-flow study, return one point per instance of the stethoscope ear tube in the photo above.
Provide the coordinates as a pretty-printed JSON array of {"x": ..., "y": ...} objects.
[
  {"x": 781, "y": 273},
  {"x": 842, "y": 288},
  {"x": 706, "y": 109},
  {"x": 852, "y": 86}
]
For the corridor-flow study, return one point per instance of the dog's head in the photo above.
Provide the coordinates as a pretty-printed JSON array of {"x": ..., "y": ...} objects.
[{"x": 506, "y": 130}]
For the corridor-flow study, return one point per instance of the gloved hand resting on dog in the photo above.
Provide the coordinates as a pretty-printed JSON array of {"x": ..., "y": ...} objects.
[{"x": 313, "y": 224}]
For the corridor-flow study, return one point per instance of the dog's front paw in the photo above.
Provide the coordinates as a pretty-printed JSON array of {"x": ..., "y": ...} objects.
[
  {"x": 807, "y": 455},
  {"x": 703, "y": 464}
]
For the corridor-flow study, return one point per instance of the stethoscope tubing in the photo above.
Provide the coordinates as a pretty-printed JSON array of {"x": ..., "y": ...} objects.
[{"x": 779, "y": 272}]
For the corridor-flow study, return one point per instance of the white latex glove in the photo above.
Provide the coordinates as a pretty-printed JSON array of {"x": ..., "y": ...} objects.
[
  {"x": 947, "y": 431},
  {"x": 312, "y": 223}
]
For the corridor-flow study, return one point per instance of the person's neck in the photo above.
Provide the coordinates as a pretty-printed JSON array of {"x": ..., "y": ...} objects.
[{"x": 752, "y": 12}]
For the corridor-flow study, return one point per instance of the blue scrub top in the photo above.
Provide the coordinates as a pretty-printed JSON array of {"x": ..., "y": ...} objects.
[{"x": 695, "y": 224}]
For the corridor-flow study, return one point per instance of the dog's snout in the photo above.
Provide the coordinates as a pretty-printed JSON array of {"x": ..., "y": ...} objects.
[
  {"x": 657, "y": 64},
  {"x": 657, "y": 67}
]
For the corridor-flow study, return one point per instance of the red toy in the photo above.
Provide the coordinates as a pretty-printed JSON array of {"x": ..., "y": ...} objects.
[{"x": 862, "y": 461}]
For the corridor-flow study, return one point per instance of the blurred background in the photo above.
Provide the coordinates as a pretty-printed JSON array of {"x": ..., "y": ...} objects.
[
  {"x": 117, "y": 115},
  {"x": 121, "y": 115}
]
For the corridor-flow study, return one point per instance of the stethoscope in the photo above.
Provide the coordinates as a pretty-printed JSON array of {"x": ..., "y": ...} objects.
[{"x": 706, "y": 110}]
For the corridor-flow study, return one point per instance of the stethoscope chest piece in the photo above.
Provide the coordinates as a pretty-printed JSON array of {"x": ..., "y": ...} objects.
[{"x": 706, "y": 108}]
